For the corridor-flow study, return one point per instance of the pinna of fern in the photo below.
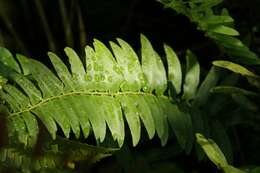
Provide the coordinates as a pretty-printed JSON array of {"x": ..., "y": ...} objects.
[
  {"x": 111, "y": 88},
  {"x": 61, "y": 154}
]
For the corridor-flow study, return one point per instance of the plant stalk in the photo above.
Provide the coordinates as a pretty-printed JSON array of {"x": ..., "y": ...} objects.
[
  {"x": 66, "y": 23},
  {"x": 45, "y": 25}
]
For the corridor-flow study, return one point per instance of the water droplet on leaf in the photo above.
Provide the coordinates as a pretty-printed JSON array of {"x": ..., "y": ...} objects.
[
  {"x": 140, "y": 77},
  {"x": 110, "y": 79},
  {"x": 88, "y": 77},
  {"x": 145, "y": 88},
  {"x": 97, "y": 77},
  {"x": 102, "y": 77},
  {"x": 117, "y": 69}
]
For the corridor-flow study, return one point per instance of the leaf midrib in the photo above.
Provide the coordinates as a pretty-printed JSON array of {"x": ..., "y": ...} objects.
[{"x": 84, "y": 93}]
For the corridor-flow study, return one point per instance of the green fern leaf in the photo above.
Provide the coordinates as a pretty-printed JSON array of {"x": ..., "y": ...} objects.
[
  {"x": 236, "y": 68},
  {"x": 3, "y": 81},
  {"x": 216, "y": 19},
  {"x": 58, "y": 154},
  {"x": 214, "y": 153},
  {"x": 174, "y": 69},
  {"x": 192, "y": 76},
  {"x": 221, "y": 29},
  {"x": 153, "y": 68},
  {"x": 97, "y": 96},
  {"x": 218, "y": 27},
  {"x": 6, "y": 58}
]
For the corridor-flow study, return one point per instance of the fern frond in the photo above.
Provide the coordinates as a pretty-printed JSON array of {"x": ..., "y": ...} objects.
[
  {"x": 214, "y": 153},
  {"x": 218, "y": 27},
  {"x": 86, "y": 98},
  {"x": 58, "y": 154}
]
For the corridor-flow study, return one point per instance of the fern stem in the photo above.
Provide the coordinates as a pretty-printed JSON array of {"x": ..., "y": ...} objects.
[
  {"x": 45, "y": 25},
  {"x": 2, "y": 44},
  {"x": 82, "y": 29},
  {"x": 66, "y": 23},
  {"x": 73, "y": 8},
  {"x": 26, "y": 13},
  {"x": 129, "y": 18},
  {"x": 11, "y": 29},
  {"x": 85, "y": 93}
]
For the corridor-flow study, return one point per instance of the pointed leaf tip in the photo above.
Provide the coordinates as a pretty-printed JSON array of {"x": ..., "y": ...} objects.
[
  {"x": 192, "y": 77},
  {"x": 153, "y": 68},
  {"x": 174, "y": 68}
]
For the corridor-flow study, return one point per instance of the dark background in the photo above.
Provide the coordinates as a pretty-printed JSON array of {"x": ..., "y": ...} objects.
[{"x": 107, "y": 20}]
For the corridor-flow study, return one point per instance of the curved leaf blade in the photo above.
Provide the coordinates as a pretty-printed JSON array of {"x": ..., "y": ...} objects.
[
  {"x": 174, "y": 69},
  {"x": 236, "y": 68},
  {"x": 153, "y": 68},
  {"x": 192, "y": 77},
  {"x": 7, "y": 59}
]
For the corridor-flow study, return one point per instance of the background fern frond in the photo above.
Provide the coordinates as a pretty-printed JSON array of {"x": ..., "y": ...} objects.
[
  {"x": 217, "y": 26},
  {"x": 60, "y": 154},
  {"x": 215, "y": 154}
]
